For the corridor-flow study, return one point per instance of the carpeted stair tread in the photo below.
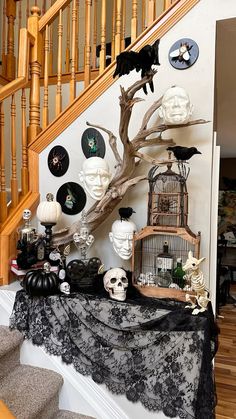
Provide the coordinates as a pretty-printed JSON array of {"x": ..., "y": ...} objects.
[
  {"x": 66, "y": 414},
  {"x": 10, "y": 342},
  {"x": 9, "y": 339},
  {"x": 28, "y": 390}
]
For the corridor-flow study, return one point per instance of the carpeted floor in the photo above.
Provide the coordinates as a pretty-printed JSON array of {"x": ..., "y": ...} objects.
[{"x": 28, "y": 392}]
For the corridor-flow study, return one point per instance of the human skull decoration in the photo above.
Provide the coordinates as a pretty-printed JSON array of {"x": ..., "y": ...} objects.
[
  {"x": 65, "y": 288},
  {"x": 26, "y": 214},
  {"x": 116, "y": 283}
]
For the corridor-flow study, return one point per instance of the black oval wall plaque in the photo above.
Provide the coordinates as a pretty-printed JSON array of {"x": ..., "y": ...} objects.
[
  {"x": 72, "y": 198},
  {"x": 58, "y": 160},
  {"x": 92, "y": 143}
]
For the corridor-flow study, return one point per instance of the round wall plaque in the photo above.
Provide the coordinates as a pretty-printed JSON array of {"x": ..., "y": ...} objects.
[{"x": 183, "y": 53}]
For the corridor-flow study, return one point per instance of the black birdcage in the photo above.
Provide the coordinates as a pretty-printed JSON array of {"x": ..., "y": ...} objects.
[{"x": 168, "y": 197}]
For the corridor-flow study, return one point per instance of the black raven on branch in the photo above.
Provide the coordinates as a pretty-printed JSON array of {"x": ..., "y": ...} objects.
[
  {"x": 183, "y": 153},
  {"x": 143, "y": 60},
  {"x": 125, "y": 213}
]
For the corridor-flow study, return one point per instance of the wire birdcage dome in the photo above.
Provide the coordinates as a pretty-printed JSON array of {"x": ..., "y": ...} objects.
[{"x": 168, "y": 196}]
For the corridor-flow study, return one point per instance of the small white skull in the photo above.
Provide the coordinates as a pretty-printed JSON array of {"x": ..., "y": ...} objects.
[
  {"x": 26, "y": 214},
  {"x": 116, "y": 283},
  {"x": 65, "y": 288}
]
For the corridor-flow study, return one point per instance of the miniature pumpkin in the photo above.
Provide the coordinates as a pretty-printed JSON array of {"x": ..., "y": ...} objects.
[
  {"x": 41, "y": 282},
  {"x": 49, "y": 211}
]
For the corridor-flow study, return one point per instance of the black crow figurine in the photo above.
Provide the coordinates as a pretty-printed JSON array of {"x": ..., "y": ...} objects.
[
  {"x": 125, "y": 213},
  {"x": 143, "y": 60},
  {"x": 183, "y": 153}
]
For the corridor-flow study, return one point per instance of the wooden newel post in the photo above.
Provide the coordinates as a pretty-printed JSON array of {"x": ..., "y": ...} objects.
[
  {"x": 10, "y": 58},
  {"x": 35, "y": 70}
]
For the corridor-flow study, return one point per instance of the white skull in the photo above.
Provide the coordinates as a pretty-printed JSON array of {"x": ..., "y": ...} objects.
[
  {"x": 65, "y": 288},
  {"x": 116, "y": 283},
  {"x": 62, "y": 274},
  {"x": 26, "y": 214}
]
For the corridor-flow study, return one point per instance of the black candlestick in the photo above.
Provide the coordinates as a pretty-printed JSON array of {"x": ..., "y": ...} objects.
[{"x": 48, "y": 237}]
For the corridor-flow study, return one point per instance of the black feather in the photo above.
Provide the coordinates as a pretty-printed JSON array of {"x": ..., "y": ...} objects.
[
  {"x": 125, "y": 213},
  {"x": 142, "y": 60},
  {"x": 183, "y": 153}
]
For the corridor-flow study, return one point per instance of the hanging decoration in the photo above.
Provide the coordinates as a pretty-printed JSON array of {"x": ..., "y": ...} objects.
[
  {"x": 72, "y": 198},
  {"x": 92, "y": 143},
  {"x": 58, "y": 161},
  {"x": 183, "y": 53}
]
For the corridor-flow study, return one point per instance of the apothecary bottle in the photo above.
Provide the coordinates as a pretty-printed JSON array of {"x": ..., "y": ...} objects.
[
  {"x": 178, "y": 274},
  {"x": 164, "y": 265}
]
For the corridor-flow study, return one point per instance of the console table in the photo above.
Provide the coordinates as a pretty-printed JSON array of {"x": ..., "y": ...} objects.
[{"x": 154, "y": 351}]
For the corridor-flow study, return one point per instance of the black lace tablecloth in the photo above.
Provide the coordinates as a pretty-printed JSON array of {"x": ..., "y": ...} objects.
[{"x": 153, "y": 351}]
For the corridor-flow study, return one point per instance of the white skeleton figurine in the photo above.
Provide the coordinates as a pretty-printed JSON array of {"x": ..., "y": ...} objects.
[
  {"x": 195, "y": 277},
  {"x": 83, "y": 240}
]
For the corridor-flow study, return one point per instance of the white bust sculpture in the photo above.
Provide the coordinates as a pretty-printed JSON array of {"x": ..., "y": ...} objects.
[
  {"x": 175, "y": 106},
  {"x": 95, "y": 176},
  {"x": 121, "y": 237}
]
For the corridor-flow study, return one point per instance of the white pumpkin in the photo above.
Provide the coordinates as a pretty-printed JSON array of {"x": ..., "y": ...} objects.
[{"x": 49, "y": 211}]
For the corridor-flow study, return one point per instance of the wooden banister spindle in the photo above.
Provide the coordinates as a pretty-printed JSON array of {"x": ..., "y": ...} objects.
[
  {"x": 95, "y": 29},
  {"x": 151, "y": 12},
  {"x": 77, "y": 37},
  {"x": 113, "y": 30},
  {"x": 72, "y": 80},
  {"x": 123, "y": 25},
  {"x": 4, "y": 40},
  {"x": 35, "y": 68},
  {"x": 118, "y": 27},
  {"x": 102, "y": 61},
  {"x": 68, "y": 39},
  {"x": 10, "y": 60},
  {"x": 143, "y": 15},
  {"x": 87, "y": 48},
  {"x": 14, "y": 182},
  {"x": 134, "y": 21},
  {"x": 46, "y": 70},
  {"x": 59, "y": 65},
  {"x": 3, "y": 193},
  {"x": 51, "y": 46},
  {"x": 24, "y": 168},
  {"x": 19, "y": 24},
  {"x": 167, "y": 4}
]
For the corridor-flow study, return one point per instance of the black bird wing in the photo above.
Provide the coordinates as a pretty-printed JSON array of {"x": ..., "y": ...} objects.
[
  {"x": 125, "y": 62},
  {"x": 148, "y": 56}
]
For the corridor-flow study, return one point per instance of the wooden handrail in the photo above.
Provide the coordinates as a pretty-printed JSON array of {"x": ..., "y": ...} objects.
[
  {"x": 52, "y": 13},
  {"x": 21, "y": 81}
]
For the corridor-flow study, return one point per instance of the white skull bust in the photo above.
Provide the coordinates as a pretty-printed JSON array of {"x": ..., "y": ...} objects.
[
  {"x": 26, "y": 214},
  {"x": 116, "y": 283},
  {"x": 65, "y": 288}
]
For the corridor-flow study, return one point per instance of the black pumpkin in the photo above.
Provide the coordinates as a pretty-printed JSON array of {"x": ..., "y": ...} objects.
[{"x": 41, "y": 282}]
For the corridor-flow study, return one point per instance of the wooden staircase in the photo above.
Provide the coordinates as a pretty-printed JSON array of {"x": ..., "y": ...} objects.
[{"x": 34, "y": 75}]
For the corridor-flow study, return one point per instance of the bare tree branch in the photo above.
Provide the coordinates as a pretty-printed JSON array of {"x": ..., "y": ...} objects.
[
  {"x": 149, "y": 159},
  {"x": 112, "y": 141},
  {"x": 124, "y": 177},
  {"x": 149, "y": 113},
  {"x": 157, "y": 141}
]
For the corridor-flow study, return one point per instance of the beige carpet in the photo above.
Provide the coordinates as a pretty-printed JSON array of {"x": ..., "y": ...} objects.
[{"x": 29, "y": 392}]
